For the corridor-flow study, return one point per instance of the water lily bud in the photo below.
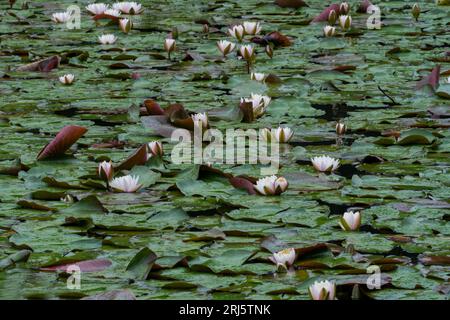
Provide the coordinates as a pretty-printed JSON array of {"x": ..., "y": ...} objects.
[
  {"x": 97, "y": 8},
  {"x": 344, "y": 8},
  {"x": 247, "y": 52},
  {"x": 350, "y": 221},
  {"x": 270, "y": 186},
  {"x": 107, "y": 39},
  {"x": 126, "y": 184},
  {"x": 156, "y": 148},
  {"x": 416, "y": 11},
  {"x": 323, "y": 290},
  {"x": 67, "y": 79},
  {"x": 329, "y": 31},
  {"x": 225, "y": 46},
  {"x": 169, "y": 45},
  {"x": 265, "y": 134},
  {"x": 205, "y": 28},
  {"x": 340, "y": 128},
  {"x": 269, "y": 51},
  {"x": 325, "y": 163},
  {"x": 345, "y": 22},
  {"x": 260, "y": 77},
  {"x": 284, "y": 258},
  {"x": 67, "y": 199},
  {"x": 106, "y": 170},
  {"x": 125, "y": 25},
  {"x": 200, "y": 120},
  {"x": 282, "y": 135},
  {"x": 237, "y": 32},
  {"x": 332, "y": 17},
  {"x": 252, "y": 28}
]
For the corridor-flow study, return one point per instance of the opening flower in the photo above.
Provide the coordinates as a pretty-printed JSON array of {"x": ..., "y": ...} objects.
[
  {"x": 112, "y": 12},
  {"x": 284, "y": 258},
  {"x": 340, "y": 128},
  {"x": 97, "y": 8},
  {"x": 252, "y": 28},
  {"x": 107, "y": 39},
  {"x": 261, "y": 77},
  {"x": 225, "y": 46},
  {"x": 325, "y": 163},
  {"x": 350, "y": 221},
  {"x": 106, "y": 170},
  {"x": 271, "y": 185},
  {"x": 237, "y": 32},
  {"x": 259, "y": 103},
  {"x": 169, "y": 45},
  {"x": 323, "y": 290},
  {"x": 247, "y": 52},
  {"x": 282, "y": 135},
  {"x": 61, "y": 17},
  {"x": 67, "y": 79},
  {"x": 126, "y": 184}
]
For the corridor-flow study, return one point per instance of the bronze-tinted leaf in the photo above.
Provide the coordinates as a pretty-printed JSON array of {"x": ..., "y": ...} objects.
[
  {"x": 44, "y": 65},
  {"x": 153, "y": 108},
  {"x": 290, "y": 3},
  {"x": 63, "y": 141},
  {"x": 247, "y": 110},
  {"x": 323, "y": 16},
  {"x": 276, "y": 38},
  {"x": 363, "y": 6},
  {"x": 85, "y": 266},
  {"x": 432, "y": 79},
  {"x": 243, "y": 182},
  {"x": 138, "y": 158}
]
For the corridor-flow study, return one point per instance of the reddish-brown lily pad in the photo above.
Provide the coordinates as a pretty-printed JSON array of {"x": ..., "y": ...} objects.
[{"x": 62, "y": 142}]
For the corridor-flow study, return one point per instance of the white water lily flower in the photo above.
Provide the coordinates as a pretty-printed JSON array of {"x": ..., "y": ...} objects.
[
  {"x": 284, "y": 258},
  {"x": 261, "y": 77},
  {"x": 112, "y": 12},
  {"x": 345, "y": 22},
  {"x": 106, "y": 170},
  {"x": 107, "y": 39},
  {"x": 329, "y": 31},
  {"x": 247, "y": 52},
  {"x": 125, "y": 25},
  {"x": 128, "y": 7},
  {"x": 169, "y": 45},
  {"x": 325, "y": 163},
  {"x": 340, "y": 128},
  {"x": 252, "y": 28},
  {"x": 323, "y": 290},
  {"x": 156, "y": 148},
  {"x": 237, "y": 32},
  {"x": 272, "y": 185},
  {"x": 67, "y": 78},
  {"x": 225, "y": 46},
  {"x": 350, "y": 221},
  {"x": 259, "y": 103},
  {"x": 200, "y": 120},
  {"x": 61, "y": 17},
  {"x": 282, "y": 135},
  {"x": 126, "y": 184},
  {"x": 97, "y": 8}
]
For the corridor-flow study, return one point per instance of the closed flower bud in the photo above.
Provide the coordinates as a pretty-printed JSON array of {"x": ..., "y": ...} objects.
[
  {"x": 329, "y": 31},
  {"x": 416, "y": 11},
  {"x": 169, "y": 45},
  {"x": 247, "y": 52},
  {"x": 345, "y": 22},
  {"x": 269, "y": 51},
  {"x": 340, "y": 128},
  {"x": 344, "y": 8},
  {"x": 205, "y": 28},
  {"x": 332, "y": 17},
  {"x": 260, "y": 77},
  {"x": 125, "y": 25},
  {"x": 106, "y": 170},
  {"x": 156, "y": 148},
  {"x": 350, "y": 221}
]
